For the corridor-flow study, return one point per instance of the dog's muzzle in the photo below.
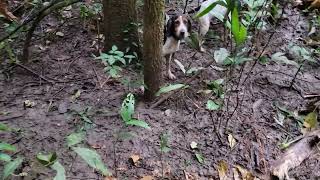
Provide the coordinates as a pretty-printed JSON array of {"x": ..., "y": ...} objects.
[{"x": 182, "y": 35}]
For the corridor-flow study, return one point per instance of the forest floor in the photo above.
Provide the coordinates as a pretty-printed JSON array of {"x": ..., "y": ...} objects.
[{"x": 74, "y": 85}]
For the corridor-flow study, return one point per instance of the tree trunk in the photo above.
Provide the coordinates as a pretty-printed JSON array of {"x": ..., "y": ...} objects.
[
  {"x": 120, "y": 25},
  {"x": 152, "y": 46}
]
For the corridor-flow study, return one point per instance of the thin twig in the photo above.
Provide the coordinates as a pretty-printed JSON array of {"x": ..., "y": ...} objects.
[{"x": 34, "y": 73}]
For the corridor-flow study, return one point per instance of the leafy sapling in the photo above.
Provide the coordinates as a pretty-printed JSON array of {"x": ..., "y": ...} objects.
[
  {"x": 127, "y": 112},
  {"x": 112, "y": 59}
]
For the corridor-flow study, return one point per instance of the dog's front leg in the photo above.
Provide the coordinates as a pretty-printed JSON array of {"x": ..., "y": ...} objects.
[{"x": 168, "y": 66}]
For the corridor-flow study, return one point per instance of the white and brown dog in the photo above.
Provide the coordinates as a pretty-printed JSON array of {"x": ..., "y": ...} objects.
[
  {"x": 177, "y": 28},
  {"x": 218, "y": 11}
]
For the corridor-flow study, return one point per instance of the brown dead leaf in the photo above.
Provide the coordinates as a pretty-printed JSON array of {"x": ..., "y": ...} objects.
[
  {"x": 147, "y": 178},
  {"x": 223, "y": 170},
  {"x": 315, "y": 4},
  {"x": 297, "y": 153},
  {"x": 110, "y": 178},
  {"x": 4, "y": 11},
  {"x": 191, "y": 176},
  {"x": 134, "y": 159},
  {"x": 245, "y": 174}
]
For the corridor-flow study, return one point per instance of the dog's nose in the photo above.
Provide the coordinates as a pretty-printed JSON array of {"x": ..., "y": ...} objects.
[{"x": 182, "y": 33}]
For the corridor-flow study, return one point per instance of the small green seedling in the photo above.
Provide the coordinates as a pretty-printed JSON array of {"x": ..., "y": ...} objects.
[{"x": 127, "y": 112}]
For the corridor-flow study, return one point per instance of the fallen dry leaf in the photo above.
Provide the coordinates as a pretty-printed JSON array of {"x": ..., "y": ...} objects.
[
  {"x": 223, "y": 170},
  {"x": 147, "y": 178},
  {"x": 245, "y": 174},
  {"x": 315, "y": 4},
  {"x": 4, "y": 10},
  {"x": 296, "y": 154},
  {"x": 110, "y": 178},
  {"x": 134, "y": 159},
  {"x": 191, "y": 176},
  {"x": 232, "y": 141}
]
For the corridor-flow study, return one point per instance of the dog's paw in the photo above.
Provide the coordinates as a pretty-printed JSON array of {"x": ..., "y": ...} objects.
[
  {"x": 202, "y": 49},
  {"x": 171, "y": 76}
]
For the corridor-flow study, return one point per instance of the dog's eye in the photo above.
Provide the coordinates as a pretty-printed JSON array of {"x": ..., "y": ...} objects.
[
  {"x": 176, "y": 22},
  {"x": 185, "y": 21}
]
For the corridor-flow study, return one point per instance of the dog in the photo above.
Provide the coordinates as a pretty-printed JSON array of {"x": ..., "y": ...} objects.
[
  {"x": 176, "y": 29},
  {"x": 218, "y": 11}
]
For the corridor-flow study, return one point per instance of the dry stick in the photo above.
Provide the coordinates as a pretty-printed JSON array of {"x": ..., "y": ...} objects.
[
  {"x": 34, "y": 73},
  {"x": 252, "y": 67},
  {"x": 295, "y": 76},
  {"x": 25, "y": 55},
  {"x": 189, "y": 80},
  {"x": 185, "y": 7}
]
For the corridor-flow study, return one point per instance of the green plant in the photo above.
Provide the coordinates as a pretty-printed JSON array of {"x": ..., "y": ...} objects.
[
  {"x": 91, "y": 10},
  {"x": 50, "y": 160},
  {"x": 256, "y": 13},
  {"x": 111, "y": 60},
  {"x": 127, "y": 112},
  {"x": 164, "y": 145}
]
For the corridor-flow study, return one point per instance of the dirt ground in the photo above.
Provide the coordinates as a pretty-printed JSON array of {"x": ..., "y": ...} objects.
[{"x": 67, "y": 66}]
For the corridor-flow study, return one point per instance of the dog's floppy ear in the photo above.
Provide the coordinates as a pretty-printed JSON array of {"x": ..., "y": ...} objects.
[{"x": 170, "y": 26}]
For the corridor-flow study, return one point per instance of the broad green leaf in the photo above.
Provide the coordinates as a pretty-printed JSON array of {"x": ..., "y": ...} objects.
[
  {"x": 211, "y": 105},
  {"x": 75, "y": 138},
  {"x": 209, "y": 8},
  {"x": 114, "y": 48},
  {"x": 10, "y": 167},
  {"x": 164, "y": 147},
  {"x": 193, "y": 40},
  {"x": 7, "y": 147},
  {"x": 127, "y": 108},
  {"x": 47, "y": 159},
  {"x": 93, "y": 159},
  {"x": 5, "y": 157},
  {"x": 310, "y": 121},
  {"x": 200, "y": 158},
  {"x": 61, "y": 172},
  {"x": 4, "y": 127},
  {"x": 280, "y": 57},
  {"x": 238, "y": 30},
  {"x": 170, "y": 88},
  {"x": 221, "y": 55},
  {"x": 139, "y": 123}
]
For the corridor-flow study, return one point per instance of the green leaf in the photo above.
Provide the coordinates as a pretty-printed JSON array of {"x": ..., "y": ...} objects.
[
  {"x": 194, "y": 69},
  {"x": 4, "y": 127},
  {"x": 114, "y": 48},
  {"x": 221, "y": 55},
  {"x": 47, "y": 159},
  {"x": 138, "y": 123},
  {"x": 164, "y": 145},
  {"x": 170, "y": 88},
  {"x": 280, "y": 57},
  {"x": 209, "y": 8},
  {"x": 7, "y": 147},
  {"x": 93, "y": 159},
  {"x": 200, "y": 158},
  {"x": 211, "y": 105},
  {"x": 5, "y": 157},
  {"x": 10, "y": 167},
  {"x": 310, "y": 121},
  {"x": 127, "y": 108},
  {"x": 75, "y": 138},
  {"x": 238, "y": 30},
  {"x": 61, "y": 172}
]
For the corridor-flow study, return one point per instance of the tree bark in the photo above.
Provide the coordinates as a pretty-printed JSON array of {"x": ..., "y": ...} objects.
[
  {"x": 152, "y": 46},
  {"x": 120, "y": 29}
]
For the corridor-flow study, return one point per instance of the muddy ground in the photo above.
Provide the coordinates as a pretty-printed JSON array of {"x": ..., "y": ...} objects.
[{"x": 66, "y": 66}]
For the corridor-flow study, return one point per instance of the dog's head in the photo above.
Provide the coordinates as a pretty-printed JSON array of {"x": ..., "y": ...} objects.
[{"x": 179, "y": 27}]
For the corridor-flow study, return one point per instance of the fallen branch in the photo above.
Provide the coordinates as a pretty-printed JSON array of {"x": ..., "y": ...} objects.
[
  {"x": 34, "y": 73},
  {"x": 25, "y": 55}
]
